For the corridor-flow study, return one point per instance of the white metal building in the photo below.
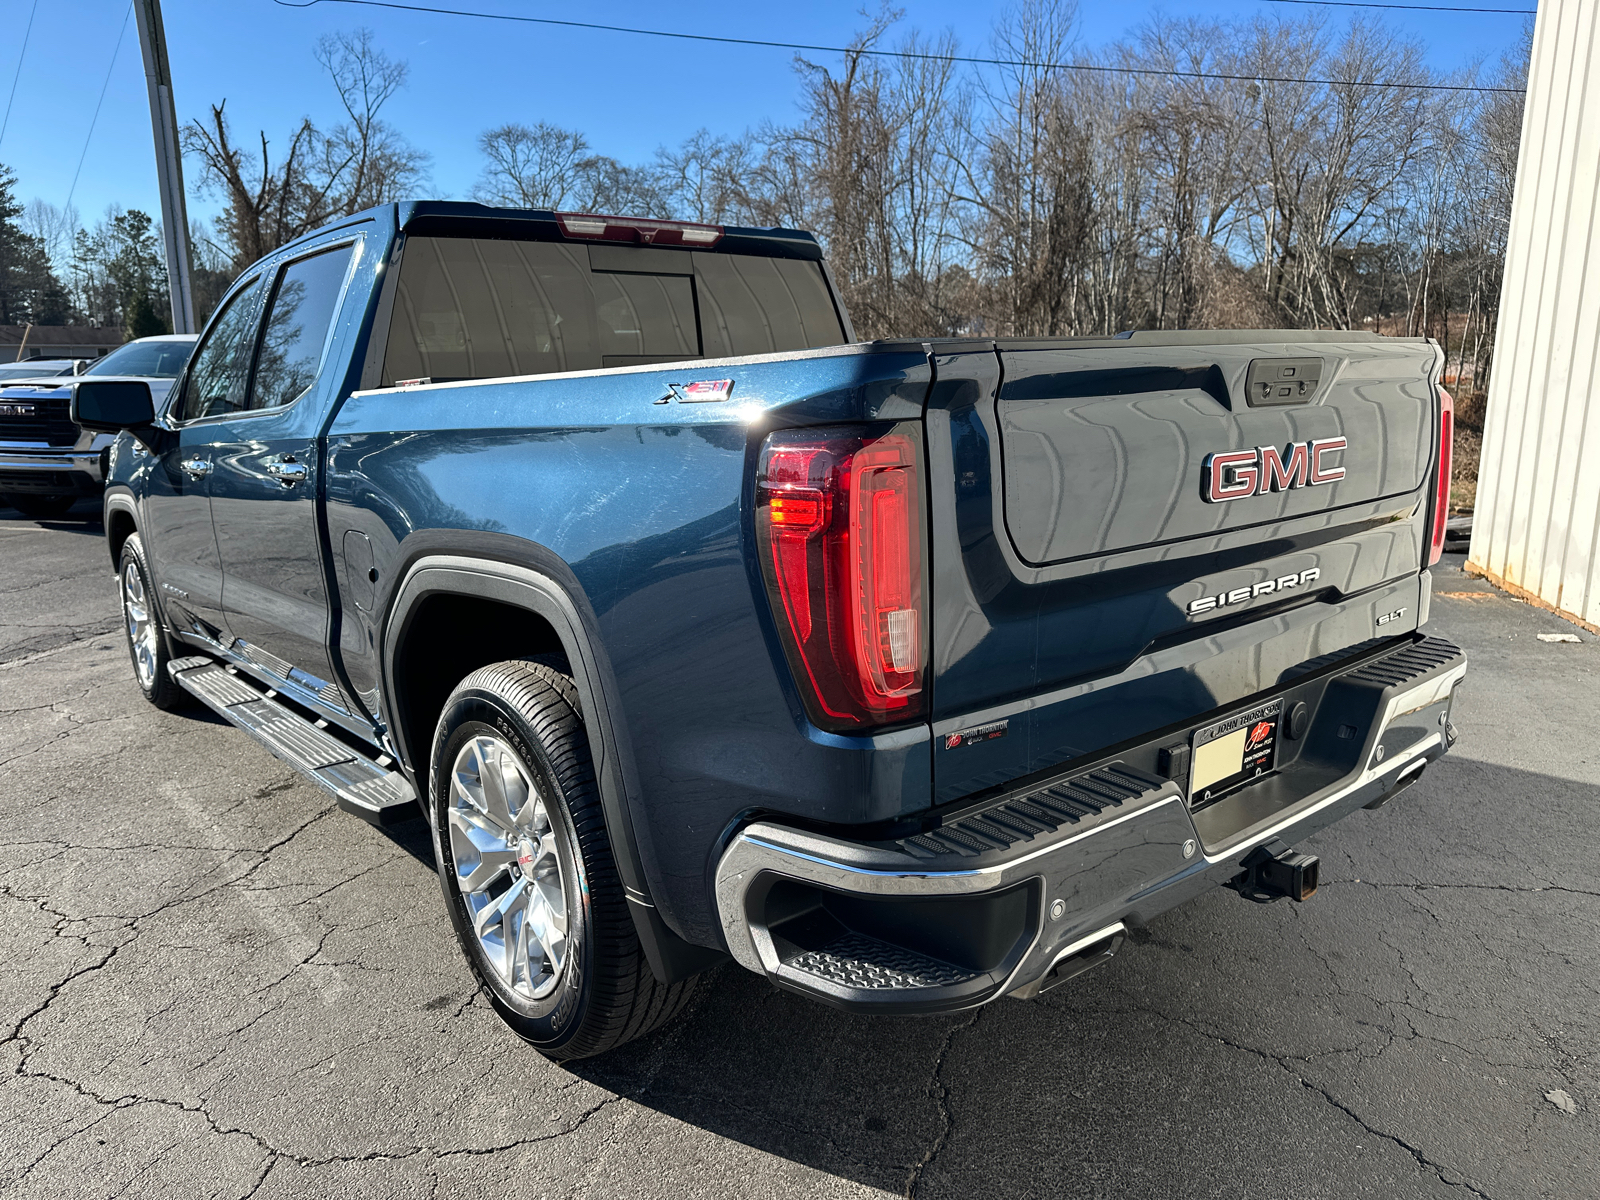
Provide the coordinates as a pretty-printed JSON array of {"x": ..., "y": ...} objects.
[{"x": 1536, "y": 527}]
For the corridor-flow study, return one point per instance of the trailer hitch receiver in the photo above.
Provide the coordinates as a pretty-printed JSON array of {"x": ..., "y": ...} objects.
[{"x": 1274, "y": 871}]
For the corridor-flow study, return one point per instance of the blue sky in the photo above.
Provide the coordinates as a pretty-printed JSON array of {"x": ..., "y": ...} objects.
[{"x": 627, "y": 94}]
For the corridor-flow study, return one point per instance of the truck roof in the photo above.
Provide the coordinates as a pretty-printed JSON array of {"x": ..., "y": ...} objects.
[{"x": 457, "y": 218}]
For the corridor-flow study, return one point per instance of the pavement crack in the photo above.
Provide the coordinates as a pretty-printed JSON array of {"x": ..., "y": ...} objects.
[
  {"x": 1468, "y": 887},
  {"x": 1283, "y": 1062},
  {"x": 56, "y": 1145},
  {"x": 1422, "y": 1159},
  {"x": 16, "y": 1034},
  {"x": 941, "y": 1094},
  {"x": 261, "y": 1179},
  {"x": 132, "y": 1100},
  {"x": 582, "y": 1119}
]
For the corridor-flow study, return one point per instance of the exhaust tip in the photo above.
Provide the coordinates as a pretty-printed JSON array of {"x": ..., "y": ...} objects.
[
  {"x": 1082, "y": 955},
  {"x": 1401, "y": 782}
]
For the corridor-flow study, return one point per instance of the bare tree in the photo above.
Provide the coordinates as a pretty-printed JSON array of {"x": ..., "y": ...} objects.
[
  {"x": 1204, "y": 173},
  {"x": 844, "y": 142},
  {"x": 543, "y": 166},
  {"x": 364, "y": 158},
  {"x": 1029, "y": 186},
  {"x": 1202, "y": 153},
  {"x": 53, "y": 226},
  {"x": 708, "y": 178},
  {"x": 530, "y": 166},
  {"x": 361, "y": 162},
  {"x": 1334, "y": 155},
  {"x": 872, "y": 168},
  {"x": 1483, "y": 219},
  {"x": 608, "y": 186}
]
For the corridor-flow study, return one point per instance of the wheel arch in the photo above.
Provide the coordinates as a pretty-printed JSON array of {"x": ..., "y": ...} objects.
[
  {"x": 501, "y": 570},
  {"x": 121, "y": 517}
]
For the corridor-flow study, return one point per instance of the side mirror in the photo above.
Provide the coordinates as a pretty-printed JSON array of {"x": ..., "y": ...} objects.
[{"x": 112, "y": 405}]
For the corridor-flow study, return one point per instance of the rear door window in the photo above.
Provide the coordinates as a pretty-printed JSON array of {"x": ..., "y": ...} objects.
[
  {"x": 479, "y": 308},
  {"x": 295, "y": 332}
]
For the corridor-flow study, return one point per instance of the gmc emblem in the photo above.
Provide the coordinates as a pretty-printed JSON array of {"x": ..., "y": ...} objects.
[
  {"x": 17, "y": 410},
  {"x": 1235, "y": 474}
]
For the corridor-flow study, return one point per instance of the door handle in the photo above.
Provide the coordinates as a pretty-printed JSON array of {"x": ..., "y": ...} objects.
[
  {"x": 195, "y": 468},
  {"x": 287, "y": 471}
]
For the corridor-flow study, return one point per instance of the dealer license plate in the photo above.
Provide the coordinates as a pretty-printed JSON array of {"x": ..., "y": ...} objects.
[{"x": 1233, "y": 752}]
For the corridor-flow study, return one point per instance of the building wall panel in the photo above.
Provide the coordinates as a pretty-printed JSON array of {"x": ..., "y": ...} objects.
[{"x": 1538, "y": 508}]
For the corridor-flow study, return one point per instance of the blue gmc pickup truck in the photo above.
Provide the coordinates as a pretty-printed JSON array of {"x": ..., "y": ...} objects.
[{"x": 910, "y": 674}]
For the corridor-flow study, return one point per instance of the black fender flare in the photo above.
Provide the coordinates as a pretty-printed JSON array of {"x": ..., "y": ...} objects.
[
  {"x": 118, "y": 498},
  {"x": 529, "y": 576}
]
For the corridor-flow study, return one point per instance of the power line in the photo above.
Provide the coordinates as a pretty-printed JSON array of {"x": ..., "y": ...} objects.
[
  {"x": 98, "y": 103},
  {"x": 22, "y": 55},
  {"x": 908, "y": 54},
  {"x": 1460, "y": 8}
]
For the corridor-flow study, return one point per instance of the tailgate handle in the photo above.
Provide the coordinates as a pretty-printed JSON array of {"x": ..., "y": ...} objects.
[{"x": 1278, "y": 381}]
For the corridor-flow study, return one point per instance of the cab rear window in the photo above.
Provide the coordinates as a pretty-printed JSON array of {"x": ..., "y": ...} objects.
[{"x": 481, "y": 308}]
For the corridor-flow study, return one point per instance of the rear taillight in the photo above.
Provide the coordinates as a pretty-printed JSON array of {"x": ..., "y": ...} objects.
[
  {"x": 1441, "y": 496},
  {"x": 839, "y": 522}
]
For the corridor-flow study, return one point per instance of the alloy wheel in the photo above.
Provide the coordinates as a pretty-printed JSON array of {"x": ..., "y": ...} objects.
[
  {"x": 507, "y": 867},
  {"x": 141, "y": 625}
]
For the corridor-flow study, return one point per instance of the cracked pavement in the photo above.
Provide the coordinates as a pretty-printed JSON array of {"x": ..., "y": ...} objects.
[{"x": 215, "y": 984}]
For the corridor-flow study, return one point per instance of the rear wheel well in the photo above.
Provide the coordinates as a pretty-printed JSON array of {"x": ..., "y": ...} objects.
[
  {"x": 446, "y": 638},
  {"x": 119, "y": 525}
]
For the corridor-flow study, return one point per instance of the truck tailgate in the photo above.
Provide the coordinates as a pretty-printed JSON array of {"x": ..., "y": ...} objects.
[{"x": 1131, "y": 533}]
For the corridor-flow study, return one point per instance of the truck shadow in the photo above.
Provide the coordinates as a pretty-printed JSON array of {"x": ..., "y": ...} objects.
[
  {"x": 1222, "y": 1016},
  {"x": 84, "y": 517},
  {"x": 414, "y": 838}
]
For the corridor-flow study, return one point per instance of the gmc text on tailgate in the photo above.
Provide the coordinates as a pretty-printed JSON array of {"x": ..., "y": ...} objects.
[{"x": 909, "y": 674}]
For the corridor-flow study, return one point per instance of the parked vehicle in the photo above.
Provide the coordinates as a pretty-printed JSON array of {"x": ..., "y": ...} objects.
[
  {"x": 47, "y": 463},
  {"x": 38, "y": 368},
  {"x": 159, "y": 359},
  {"x": 910, "y": 674}
]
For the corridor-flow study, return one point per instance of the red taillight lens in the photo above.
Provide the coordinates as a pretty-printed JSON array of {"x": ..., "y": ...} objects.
[
  {"x": 839, "y": 522},
  {"x": 1441, "y": 498}
]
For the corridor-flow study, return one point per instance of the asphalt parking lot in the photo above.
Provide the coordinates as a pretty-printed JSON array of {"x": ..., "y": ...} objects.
[{"x": 213, "y": 983}]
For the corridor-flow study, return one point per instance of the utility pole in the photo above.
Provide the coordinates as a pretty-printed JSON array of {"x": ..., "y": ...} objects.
[{"x": 169, "y": 161}]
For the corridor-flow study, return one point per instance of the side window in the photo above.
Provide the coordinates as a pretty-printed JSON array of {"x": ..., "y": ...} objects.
[
  {"x": 299, "y": 316},
  {"x": 216, "y": 381}
]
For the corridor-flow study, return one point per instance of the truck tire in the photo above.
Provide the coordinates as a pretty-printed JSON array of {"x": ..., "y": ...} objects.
[
  {"x": 527, "y": 870},
  {"x": 40, "y": 508},
  {"x": 141, "y": 623}
]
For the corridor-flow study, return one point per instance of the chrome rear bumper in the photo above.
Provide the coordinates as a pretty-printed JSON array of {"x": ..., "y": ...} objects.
[{"x": 889, "y": 908}]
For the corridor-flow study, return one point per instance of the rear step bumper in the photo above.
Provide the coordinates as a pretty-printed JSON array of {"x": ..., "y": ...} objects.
[
  {"x": 360, "y": 784},
  {"x": 1038, "y": 885}
]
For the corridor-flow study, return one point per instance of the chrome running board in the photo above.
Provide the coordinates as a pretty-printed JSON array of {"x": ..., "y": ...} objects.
[{"x": 370, "y": 788}]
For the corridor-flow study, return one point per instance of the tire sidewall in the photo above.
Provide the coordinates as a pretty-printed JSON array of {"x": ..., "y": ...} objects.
[{"x": 551, "y": 1021}]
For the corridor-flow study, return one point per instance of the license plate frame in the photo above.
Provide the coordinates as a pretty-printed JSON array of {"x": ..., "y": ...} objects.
[{"x": 1249, "y": 738}]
